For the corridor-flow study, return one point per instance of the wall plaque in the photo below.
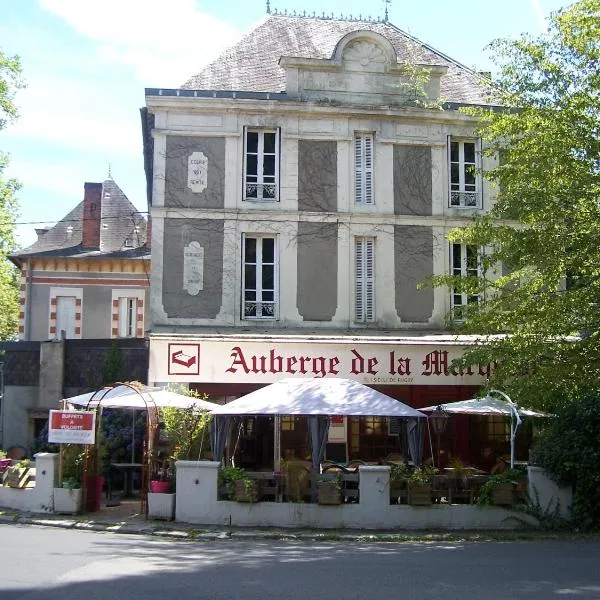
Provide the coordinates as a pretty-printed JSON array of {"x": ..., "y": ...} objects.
[
  {"x": 197, "y": 172},
  {"x": 193, "y": 268}
]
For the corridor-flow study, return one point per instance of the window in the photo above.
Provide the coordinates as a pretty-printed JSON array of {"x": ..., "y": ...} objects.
[
  {"x": 259, "y": 286},
  {"x": 464, "y": 262},
  {"x": 364, "y": 249},
  {"x": 363, "y": 168},
  {"x": 465, "y": 181},
  {"x": 261, "y": 165},
  {"x": 65, "y": 317},
  {"x": 127, "y": 317}
]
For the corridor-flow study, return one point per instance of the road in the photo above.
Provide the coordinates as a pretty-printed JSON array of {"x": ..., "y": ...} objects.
[{"x": 50, "y": 564}]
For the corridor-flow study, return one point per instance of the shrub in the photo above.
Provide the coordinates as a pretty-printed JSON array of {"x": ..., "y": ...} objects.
[{"x": 569, "y": 450}]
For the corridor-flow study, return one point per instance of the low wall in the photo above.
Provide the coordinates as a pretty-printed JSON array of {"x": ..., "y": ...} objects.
[
  {"x": 550, "y": 496},
  {"x": 39, "y": 498},
  {"x": 196, "y": 502}
]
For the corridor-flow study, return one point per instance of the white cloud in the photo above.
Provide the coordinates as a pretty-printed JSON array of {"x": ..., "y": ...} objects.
[
  {"x": 165, "y": 43},
  {"x": 76, "y": 114}
]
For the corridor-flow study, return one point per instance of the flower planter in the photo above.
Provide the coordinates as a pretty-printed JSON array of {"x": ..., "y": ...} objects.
[
  {"x": 398, "y": 492},
  {"x": 246, "y": 490},
  {"x": 328, "y": 493},
  {"x": 161, "y": 487},
  {"x": 503, "y": 494},
  {"x": 67, "y": 500},
  {"x": 161, "y": 506},
  {"x": 419, "y": 494}
]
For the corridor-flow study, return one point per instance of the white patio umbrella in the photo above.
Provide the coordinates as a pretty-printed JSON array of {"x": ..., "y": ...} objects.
[
  {"x": 125, "y": 397},
  {"x": 491, "y": 406},
  {"x": 317, "y": 398}
]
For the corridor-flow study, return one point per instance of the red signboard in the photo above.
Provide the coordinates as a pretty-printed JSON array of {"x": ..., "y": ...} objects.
[{"x": 72, "y": 427}]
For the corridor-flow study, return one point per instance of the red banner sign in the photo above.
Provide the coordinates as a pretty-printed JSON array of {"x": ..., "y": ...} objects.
[{"x": 72, "y": 427}]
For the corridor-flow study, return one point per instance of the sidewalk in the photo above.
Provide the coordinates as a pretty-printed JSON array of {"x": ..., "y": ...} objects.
[{"x": 127, "y": 519}]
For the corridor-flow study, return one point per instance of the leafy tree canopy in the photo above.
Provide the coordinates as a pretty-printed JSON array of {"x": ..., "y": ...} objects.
[
  {"x": 10, "y": 82},
  {"x": 544, "y": 228}
]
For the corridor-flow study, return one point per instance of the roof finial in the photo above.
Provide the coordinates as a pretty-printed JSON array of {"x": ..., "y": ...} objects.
[
  {"x": 109, "y": 167},
  {"x": 386, "y": 15},
  {"x": 268, "y": 7}
]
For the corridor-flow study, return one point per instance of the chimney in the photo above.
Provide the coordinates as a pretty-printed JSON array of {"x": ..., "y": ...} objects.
[
  {"x": 92, "y": 212},
  {"x": 41, "y": 231}
]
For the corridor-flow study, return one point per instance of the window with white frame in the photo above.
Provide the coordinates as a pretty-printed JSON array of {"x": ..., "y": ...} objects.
[
  {"x": 363, "y": 168},
  {"x": 364, "y": 257},
  {"x": 261, "y": 165},
  {"x": 65, "y": 317},
  {"x": 260, "y": 277},
  {"x": 464, "y": 262},
  {"x": 464, "y": 160},
  {"x": 127, "y": 317}
]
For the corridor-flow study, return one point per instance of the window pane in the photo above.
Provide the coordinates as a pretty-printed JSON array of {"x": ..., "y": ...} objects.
[
  {"x": 270, "y": 142},
  {"x": 454, "y": 174},
  {"x": 456, "y": 256},
  {"x": 250, "y": 295},
  {"x": 250, "y": 277},
  {"x": 469, "y": 152},
  {"x": 250, "y": 250},
  {"x": 268, "y": 296},
  {"x": 454, "y": 151},
  {"x": 469, "y": 176},
  {"x": 268, "y": 250},
  {"x": 268, "y": 280},
  {"x": 269, "y": 165},
  {"x": 252, "y": 141},
  {"x": 251, "y": 167}
]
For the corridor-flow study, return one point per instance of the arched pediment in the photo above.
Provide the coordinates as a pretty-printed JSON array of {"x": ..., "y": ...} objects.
[{"x": 365, "y": 51}]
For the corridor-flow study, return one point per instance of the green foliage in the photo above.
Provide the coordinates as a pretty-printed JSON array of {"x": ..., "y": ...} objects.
[
  {"x": 486, "y": 492},
  {"x": 73, "y": 460},
  {"x": 112, "y": 371},
  {"x": 399, "y": 472},
  {"x": 569, "y": 450},
  {"x": 228, "y": 476},
  {"x": 422, "y": 475},
  {"x": 10, "y": 82},
  {"x": 187, "y": 429},
  {"x": 545, "y": 224}
]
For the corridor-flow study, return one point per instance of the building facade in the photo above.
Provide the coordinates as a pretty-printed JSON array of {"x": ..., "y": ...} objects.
[
  {"x": 86, "y": 278},
  {"x": 302, "y": 189}
]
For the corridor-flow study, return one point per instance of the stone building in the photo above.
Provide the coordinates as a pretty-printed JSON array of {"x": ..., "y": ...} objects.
[{"x": 302, "y": 187}]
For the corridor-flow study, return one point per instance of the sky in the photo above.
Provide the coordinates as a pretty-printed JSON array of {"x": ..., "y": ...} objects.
[{"x": 87, "y": 62}]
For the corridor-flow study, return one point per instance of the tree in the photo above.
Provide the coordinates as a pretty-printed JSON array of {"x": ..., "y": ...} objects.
[
  {"x": 10, "y": 82},
  {"x": 545, "y": 226}
]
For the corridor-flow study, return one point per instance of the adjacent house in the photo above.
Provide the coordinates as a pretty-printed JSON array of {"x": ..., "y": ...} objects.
[
  {"x": 302, "y": 187},
  {"x": 84, "y": 284}
]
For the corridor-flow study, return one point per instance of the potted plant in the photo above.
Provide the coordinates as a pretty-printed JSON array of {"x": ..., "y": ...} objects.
[
  {"x": 499, "y": 489},
  {"x": 329, "y": 490},
  {"x": 68, "y": 495},
  {"x": 399, "y": 475},
  {"x": 419, "y": 485},
  {"x": 161, "y": 496},
  {"x": 238, "y": 485},
  {"x": 4, "y": 461}
]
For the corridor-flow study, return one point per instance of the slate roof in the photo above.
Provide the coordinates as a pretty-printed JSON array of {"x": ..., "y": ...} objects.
[
  {"x": 252, "y": 64},
  {"x": 119, "y": 221}
]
